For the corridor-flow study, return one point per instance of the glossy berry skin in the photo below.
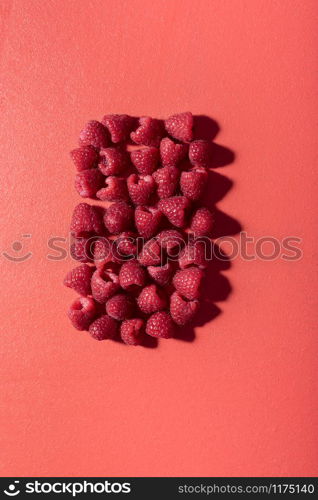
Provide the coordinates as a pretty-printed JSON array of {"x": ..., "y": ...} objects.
[
  {"x": 167, "y": 179},
  {"x": 151, "y": 299},
  {"x": 115, "y": 189},
  {"x": 86, "y": 220},
  {"x": 104, "y": 284},
  {"x": 145, "y": 160},
  {"x": 195, "y": 253},
  {"x": 193, "y": 182},
  {"x": 160, "y": 325},
  {"x": 103, "y": 328},
  {"x": 84, "y": 157},
  {"x": 161, "y": 274},
  {"x": 79, "y": 279},
  {"x": 94, "y": 134},
  {"x": 182, "y": 311},
  {"x": 82, "y": 313},
  {"x": 172, "y": 153},
  {"x": 140, "y": 188},
  {"x": 187, "y": 282},
  {"x": 114, "y": 161},
  {"x": 131, "y": 331},
  {"x": 175, "y": 209},
  {"x": 200, "y": 153},
  {"x": 202, "y": 222},
  {"x": 120, "y": 306},
  {"x": 119, "y": 126},
  {"x": 147, "y": 220},
  {"x": 118, "y": 217},
  {"x": 180, "y": 126},
  {"x": 149, "y": 132},
  {"x": 150, "y": 254},
  {"x": 81, "y": 249},
  {"x": 88, "y": 182},
  {"x": 132, "y": 276}
]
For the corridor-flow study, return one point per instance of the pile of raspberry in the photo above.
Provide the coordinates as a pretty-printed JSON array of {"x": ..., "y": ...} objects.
[{"x": 142, "y": 252}]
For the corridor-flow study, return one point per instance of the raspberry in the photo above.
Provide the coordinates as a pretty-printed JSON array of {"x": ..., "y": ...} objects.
[
  {"x": 202, "y": 222},
  {"x": 170, "y": 239},
  {"x": 131, "y": 331},
  {"x": 103, "y": 328},
  {"x": 147, "y": 220},
  {"x": 103, "y": 252},
  {"x": 81, "y": 249},
  {"x": 187, "y": 282},
  {"x": 120, "y": 306},
  {"x": 86, "y": 220},
  {"x": 149, "y": 132},
  {"x": 140, "y": 188},
  {"x": 194, "y": 253},
  {"x": 193, "y": 182},
  {"x": 94, "y": 134},
  {"x": 105, "y": 283},
  {"x": 88, "y": 182},
  {"x": 126, "y": 244},
  {"x": 160, "y": 325},
  {"x": 132, "y": 275},
  {"x": 200, "y": 152},
  {"x": 113, "y": 161},
  {"x": 161, "y": 274},
  {"x": 118, "y": 217},
  {"x": 119, "y": 126},
  {"x": 82, "y": 312},
  {"x": 167, "y": 179},
  {"x": 180, "y": 126},
  {"x": 145, "y": 160},
  {"x": 172, "y": 153},
  {"x": 85, "y": 157},
  {"x": 175, "y": 209},
  {"x": 115, "y": 190},
  {"x": 150, "y": 254},
  {"x": 181, "y": 310},
  {"x": 79, "y": 279},
  {"x": 151, "y": 299}
]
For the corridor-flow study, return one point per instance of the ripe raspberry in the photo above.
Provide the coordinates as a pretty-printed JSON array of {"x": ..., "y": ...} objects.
[
  {"x": 171, "y": 240},
  {"x": 149, "y": 132},
  {"x": 115, "y": 190},
  {"x": 113, "y": 161},
  {"x": 103, "y": 252},
  {"x": 160, "y": 325},
  {"x": 132, "y": 276},
  {"x": 172, "y": 153},
  {"x": 187, "y": 282},
  {"x": 131, "y": 331},
  {"x": 194, "y": 253},
  {"x": 167, "y": 179},
  {"x": 86, "y": 220},
  {"x": 82, "y": 312},
  {"x": 147, "y": 220},
  {"x": 88, "y": 182},
  {"x": 181, "y": 310},
  {"x": 145, "y": 160},
  {"x": 103, "y": 328},
  {"x": 120, "y": 306},
  {"x": 79, "y": 279},
  {"x": 161, "y": 274},
  {"x": 150, "y": 254},
  {"x": 126, "y": 245},
  {"x": 84, "y": 158},
  {"x": 151, "y": 299},
  {"x": 94, "y": 134},
  {"x": 105, "y": 284},
  {"x": 119, "y": 126},
  {"x": 118, "y": 217},
  {"x": 140, "y": 188},
  {"x": 193, "y": 182},
  {"x": 180, "y": 126},
  {"x": 200, "y": 152},
  {"x": 202, "y": 222},
  {"x": 175, "y": 209},
  {"x": 81, "y": 249}
]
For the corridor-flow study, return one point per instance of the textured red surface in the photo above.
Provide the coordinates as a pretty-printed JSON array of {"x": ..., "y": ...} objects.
[{"x": 241, "y": 399}]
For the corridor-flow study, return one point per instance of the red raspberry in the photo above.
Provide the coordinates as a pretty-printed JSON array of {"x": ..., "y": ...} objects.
[
  {"x": 181, "y": 310},
  {"x": 149, "y": 132},
  {"x": 147, "y": 220},
  {"x": 103, "y": 328},
  {"x": 150, "y": 254},
  {"x": 161, "y": 274},
  {"x": 120, "y": 306},
  {"x": 202, "y": 222},
  {"x": 126, "y": 244},
  {"x": 86, "y": 220},
  {"x": 167, "y": 179},
  {"x": 160, "y": 325},
  {"x": 151, "y": 299},
  {"x": 94, "y": 134},
  {"x": 119, "y": 126},
  {"x": 175, "y": 209},
  {"x": 194, "y": 253},
  {"x": 145, "y": 160},
  {"x": 132, "y": 275},
  {"x": 193, "y": 182},
  {"x": 172, "y": 153},
  {"x": 85, "y": 157},
  {"x": 113, "y": 161},
  {"x": 103, "y": 252},
  {"x": 88, "y": 182},
  {"x": 115, "y": 190},
  {"x": 118, "y": 217},
  {"x": 79, "y": 279},
  {"x": 131, "y": 331},
  {"x": 105, "y": 283},
  {"x": 140, "y": 188},
  {"x": 81, "y": 249},
  {"x": 187, "y": 282},
  {"x": 82, "y": 312},
  {"x": 180, "y": 126},
  {"x": 170, "y": 239},
  {"x": 200, "y": 152}
]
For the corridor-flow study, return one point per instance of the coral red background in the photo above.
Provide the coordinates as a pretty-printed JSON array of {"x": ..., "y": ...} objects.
[{"x": 242, "y": 398}]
